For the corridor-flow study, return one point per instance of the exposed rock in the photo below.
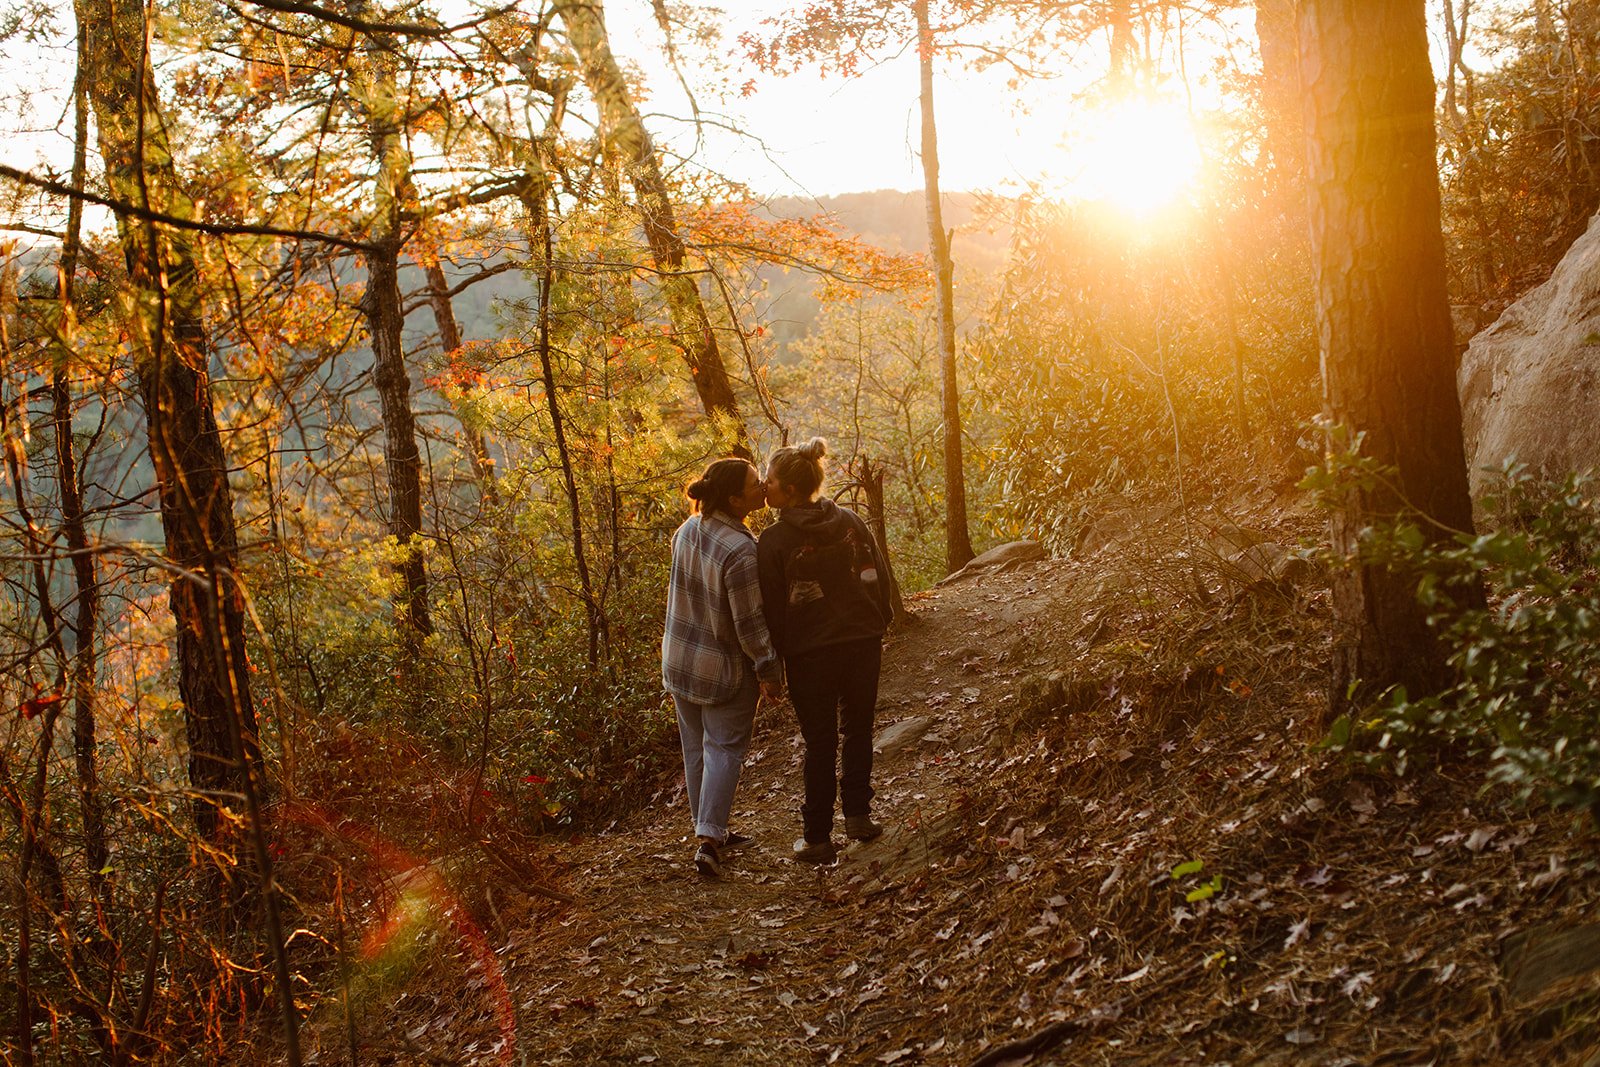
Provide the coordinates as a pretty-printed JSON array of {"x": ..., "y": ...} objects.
[
  {"x": 1004, "y": 557},
  {"x": 1530, "y": 383},
  {"x": 897, "y": 736},
  {"x": 1538, "y": 960},
  {"x": 1268, "y": 564}
]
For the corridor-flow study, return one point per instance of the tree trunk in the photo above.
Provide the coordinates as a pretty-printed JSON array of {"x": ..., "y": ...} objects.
[
  {"x": 626, "y": 135},
  {"x": 85, "y": 663},
  {"x": 381, "y": 304},
  {"x": 444, "y": 317},
  {"x": 172, "y": 365},
  {"x": 535, "y": 201},
  {"x": 1383, "y": 320},
  {"x": 171, "y": 360},
  {"x": 872, "y": 485},
  {"x": 958, "y": 544}
]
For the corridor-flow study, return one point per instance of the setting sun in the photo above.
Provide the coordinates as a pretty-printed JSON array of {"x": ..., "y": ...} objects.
[{"x": 1137, "y": 153}]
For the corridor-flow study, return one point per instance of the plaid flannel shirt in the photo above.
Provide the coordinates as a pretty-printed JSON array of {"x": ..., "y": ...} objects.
[{"x": 716, "y": 632}]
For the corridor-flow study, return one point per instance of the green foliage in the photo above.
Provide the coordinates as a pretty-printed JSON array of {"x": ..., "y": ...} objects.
[
  {"x": 1110, "y": 366},
  {"x": 1527, "y": 689},
  {"x": 1199, "y": 890}
]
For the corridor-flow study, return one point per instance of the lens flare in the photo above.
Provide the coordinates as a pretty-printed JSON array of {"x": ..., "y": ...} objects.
[{"x": 1137, "y": 154}]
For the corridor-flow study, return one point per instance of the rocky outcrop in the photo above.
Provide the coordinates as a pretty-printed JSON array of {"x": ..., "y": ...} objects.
[{"x": 1530, "y": 383}]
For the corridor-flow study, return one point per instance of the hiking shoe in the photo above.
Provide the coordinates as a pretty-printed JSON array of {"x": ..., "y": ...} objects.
[
  {"x": 707, "y": 860},
  {"x": 734, "y": 841},
  {"x": 815, "y": 851},
  {"x": 862, "y": 828}
]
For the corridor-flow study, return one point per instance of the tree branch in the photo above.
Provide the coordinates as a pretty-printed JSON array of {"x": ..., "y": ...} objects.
[{"x": 215, "y": 229}]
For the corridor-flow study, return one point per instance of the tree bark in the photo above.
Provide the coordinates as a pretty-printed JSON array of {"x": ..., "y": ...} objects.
[
  {"x": 444, "y": 317},
  {"x": 172, "y": 364},
  {"x": 383, "y": 308},
  {"x": 1383, "y": 319},
  {"x": 85, "y": 663},
  {"x": 872, "y": 485},
  {"x": 958, "y": 544},
  {"x": 625, "y": 134}
]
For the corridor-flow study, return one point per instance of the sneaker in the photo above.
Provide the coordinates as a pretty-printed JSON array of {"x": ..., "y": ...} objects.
[
  {"x": 815, "y": 851},
  {"x": 735, "y": 841},
  {"x": 707, "y": 861},
  {"x": 862, "y": 828}
]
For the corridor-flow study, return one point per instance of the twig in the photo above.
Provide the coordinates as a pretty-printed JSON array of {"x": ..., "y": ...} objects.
[{"x": 520, "y": 871}]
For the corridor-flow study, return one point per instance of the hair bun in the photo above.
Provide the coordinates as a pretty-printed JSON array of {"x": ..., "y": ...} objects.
[
  {"x": 696, "y": 490},
  {"x": 815, "y": 448}
]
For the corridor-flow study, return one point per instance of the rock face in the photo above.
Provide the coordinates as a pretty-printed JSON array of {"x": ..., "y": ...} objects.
[{"x": 1530, "y": 384}]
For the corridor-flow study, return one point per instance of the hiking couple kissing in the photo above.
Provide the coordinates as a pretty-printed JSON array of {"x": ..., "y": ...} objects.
[{"x": 805, "y": 603}]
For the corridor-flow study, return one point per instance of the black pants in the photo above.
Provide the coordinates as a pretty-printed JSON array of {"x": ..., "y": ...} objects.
[{"x": 834, "y": 690}]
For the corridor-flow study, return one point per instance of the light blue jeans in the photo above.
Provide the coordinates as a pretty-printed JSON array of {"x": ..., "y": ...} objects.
[{"x": 715, "y": 738}]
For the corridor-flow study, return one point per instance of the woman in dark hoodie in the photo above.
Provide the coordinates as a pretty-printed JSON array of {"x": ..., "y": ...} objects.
[{"x": 826, "y": 609}]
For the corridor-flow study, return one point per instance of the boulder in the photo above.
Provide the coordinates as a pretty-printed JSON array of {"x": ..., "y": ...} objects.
[
  {"x": 1000, "y": 558},
  {"x": 1530, "y": 383}
]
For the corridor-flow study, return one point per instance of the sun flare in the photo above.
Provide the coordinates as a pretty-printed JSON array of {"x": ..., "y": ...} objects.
[{"x": 1137, "y": 154}]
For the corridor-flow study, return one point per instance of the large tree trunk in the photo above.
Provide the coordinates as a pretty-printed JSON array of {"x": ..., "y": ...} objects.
[
  {"x": 1383, "y": 320},
  {"x": 172, "y": 365},
  {"x": 381, "y": 304},
  {"x": 171, "y": 360},
  {"x": 958, "y": 544},
  {"x": 626, "y": 136}
]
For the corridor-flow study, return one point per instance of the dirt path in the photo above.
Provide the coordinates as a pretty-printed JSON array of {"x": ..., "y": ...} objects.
[
  {"x": 655, "y": 965},
  {"x": 1160, "y": 868}
]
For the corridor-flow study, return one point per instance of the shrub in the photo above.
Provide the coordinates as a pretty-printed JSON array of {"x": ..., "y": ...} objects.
[{"x": 1527, "y": 665}]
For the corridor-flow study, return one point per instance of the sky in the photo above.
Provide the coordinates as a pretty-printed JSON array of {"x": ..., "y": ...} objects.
[
  {"x": 821, "y": 135},
  {"x": 833, "y": 135}
]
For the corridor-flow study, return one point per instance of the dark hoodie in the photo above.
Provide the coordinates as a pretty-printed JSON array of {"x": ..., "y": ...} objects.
[{"x": 822, "y": 582}]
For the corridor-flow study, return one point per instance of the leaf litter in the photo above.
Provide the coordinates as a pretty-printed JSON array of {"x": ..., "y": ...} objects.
[{"x": 1024, "y": 894}]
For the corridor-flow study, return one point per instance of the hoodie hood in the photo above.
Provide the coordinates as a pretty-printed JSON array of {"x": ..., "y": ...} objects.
[{"x": 821, "y": 519}]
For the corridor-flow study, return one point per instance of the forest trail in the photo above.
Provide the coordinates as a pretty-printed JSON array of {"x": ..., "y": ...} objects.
[
  {"x": 1109, "y": 829},
  {"x": 777, "y": 962}
]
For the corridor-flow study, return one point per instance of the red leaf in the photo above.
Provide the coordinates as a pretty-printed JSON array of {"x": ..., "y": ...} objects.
[
  {"x": 535, "y": 779},
  {"x": 36, "y": 705}
]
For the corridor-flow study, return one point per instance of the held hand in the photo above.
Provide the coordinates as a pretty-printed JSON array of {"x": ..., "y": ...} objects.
[{"x": 771, "y": 691}]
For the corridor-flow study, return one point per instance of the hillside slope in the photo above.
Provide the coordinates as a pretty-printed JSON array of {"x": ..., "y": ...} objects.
[{"x": 1026, "y": 900}]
